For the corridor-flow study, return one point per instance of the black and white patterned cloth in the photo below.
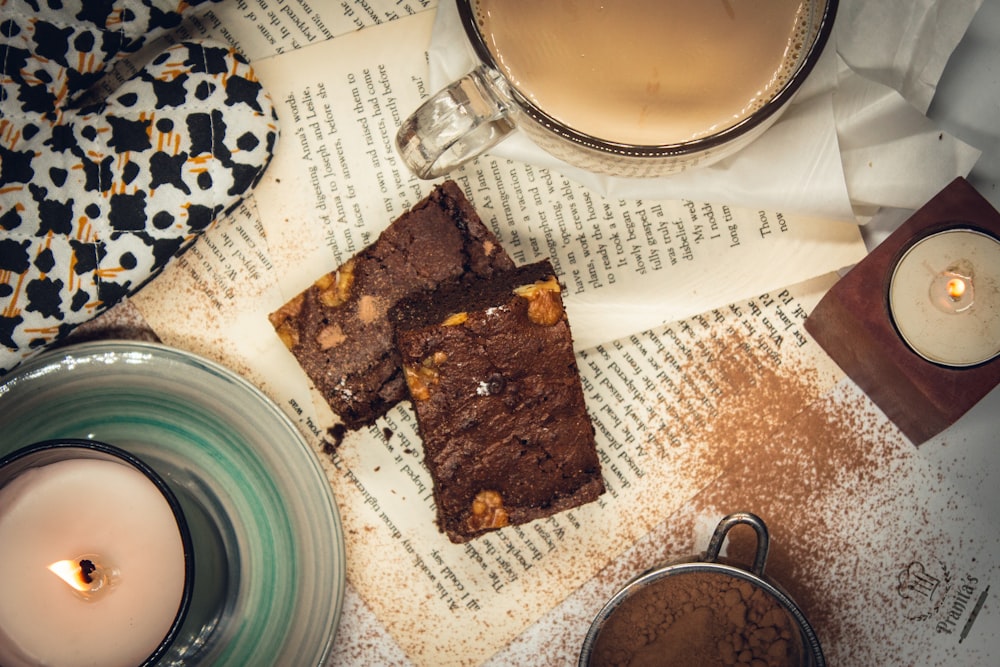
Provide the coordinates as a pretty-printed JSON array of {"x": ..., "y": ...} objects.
[{"x": 96, "y": 198}]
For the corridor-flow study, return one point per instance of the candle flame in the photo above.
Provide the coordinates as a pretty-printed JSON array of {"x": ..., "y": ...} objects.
[
  {"x": 953, "y": 291},
  {"x": 74, "y": 573},
  {"x": 84, "y": 575},
  {"x": 956, "y": 288}
]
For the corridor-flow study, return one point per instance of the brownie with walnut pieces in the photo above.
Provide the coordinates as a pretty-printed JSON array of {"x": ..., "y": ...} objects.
[
  {"x": 499, "y": 403},
  {"x": 338, "y": 328}
]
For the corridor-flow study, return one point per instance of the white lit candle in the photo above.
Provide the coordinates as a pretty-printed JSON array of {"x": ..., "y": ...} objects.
[
  {"x": 93, "y": 565},
  {"x": 944, "y": 297}
]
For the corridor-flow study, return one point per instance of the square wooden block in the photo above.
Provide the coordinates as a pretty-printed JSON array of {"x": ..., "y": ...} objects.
[{"x": 853, "y": 323}]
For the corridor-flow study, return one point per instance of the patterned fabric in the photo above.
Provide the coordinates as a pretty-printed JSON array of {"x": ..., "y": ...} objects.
[{"x": 96, "y": 199}]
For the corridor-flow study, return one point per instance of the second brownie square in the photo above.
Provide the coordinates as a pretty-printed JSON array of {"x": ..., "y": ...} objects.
[{"x": 500, "y": 408}]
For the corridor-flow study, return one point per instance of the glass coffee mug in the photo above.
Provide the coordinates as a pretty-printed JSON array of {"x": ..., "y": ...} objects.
[{"x": 635, "y": 88}]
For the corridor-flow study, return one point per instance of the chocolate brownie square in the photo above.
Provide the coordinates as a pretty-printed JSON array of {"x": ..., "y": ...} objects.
[
  {"x": 338, "y": 327},
  {"x": 499, "y": 403}
]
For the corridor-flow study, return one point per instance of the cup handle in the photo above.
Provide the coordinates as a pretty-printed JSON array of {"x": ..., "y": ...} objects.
[
  {"x": 727, "y": 524},
  {"x": 458, "y": 123}
]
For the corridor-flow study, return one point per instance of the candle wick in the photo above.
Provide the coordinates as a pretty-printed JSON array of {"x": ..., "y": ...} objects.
[{"x": 87, "y": 567}]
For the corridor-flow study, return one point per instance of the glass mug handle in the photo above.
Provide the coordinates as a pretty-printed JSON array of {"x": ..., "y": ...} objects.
[{"x": 456, "y": 124}]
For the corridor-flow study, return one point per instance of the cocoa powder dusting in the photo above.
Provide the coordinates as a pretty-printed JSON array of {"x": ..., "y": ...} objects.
[
  {"x": 778, "y": 441},
  {"x": 824, "y": 459},
  {"x": 698, "y": 618}
]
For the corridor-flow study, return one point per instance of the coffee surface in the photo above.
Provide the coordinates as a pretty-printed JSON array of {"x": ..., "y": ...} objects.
[{"x": 645, "y": 72}]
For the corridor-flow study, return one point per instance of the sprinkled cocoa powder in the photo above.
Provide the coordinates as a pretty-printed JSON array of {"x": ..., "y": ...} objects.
[
  {"x": 737, "y": 444},
  {"x": 824, "y": 460},
  {"x": 750, "y": 397},
  {"x": 842, "y": 491},
  {"x": 698, "y": 618}
]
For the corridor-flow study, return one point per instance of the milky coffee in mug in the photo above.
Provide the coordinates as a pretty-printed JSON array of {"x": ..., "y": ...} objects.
[
  {"x": 647, "y": 72},
  {"x": 623, "y": 87}
]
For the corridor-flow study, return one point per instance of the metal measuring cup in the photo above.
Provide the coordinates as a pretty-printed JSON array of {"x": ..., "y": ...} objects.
[{"x": 809, "y": 652}]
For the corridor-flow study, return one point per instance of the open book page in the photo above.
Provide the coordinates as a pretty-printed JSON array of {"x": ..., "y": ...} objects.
[
  {"x": 211, "y": 298},
  {"x": 261, "y": 28},
  {"x": 335, "y": 184}
]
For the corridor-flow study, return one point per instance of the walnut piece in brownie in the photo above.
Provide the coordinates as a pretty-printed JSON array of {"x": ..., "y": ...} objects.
[
  {"x": 499, "y": 403},
  {"x": 338, "y": 329}
]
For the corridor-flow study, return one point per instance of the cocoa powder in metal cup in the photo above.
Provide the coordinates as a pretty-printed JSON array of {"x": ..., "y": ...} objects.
[
  {"x": 704, "y": 612},
  {"x": 699, "y": 617}
]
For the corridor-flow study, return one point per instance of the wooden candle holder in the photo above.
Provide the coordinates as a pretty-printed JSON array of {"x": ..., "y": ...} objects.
[{"x": 854, "y": 324}]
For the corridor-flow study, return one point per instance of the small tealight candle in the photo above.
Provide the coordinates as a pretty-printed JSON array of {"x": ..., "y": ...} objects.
[
  {"x": 95, "y": 555},
  {"x": 944, "y": 297}
]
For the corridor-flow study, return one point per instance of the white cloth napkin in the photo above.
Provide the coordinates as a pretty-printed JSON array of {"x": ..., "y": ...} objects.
[{"x": 855, "y": 138}]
